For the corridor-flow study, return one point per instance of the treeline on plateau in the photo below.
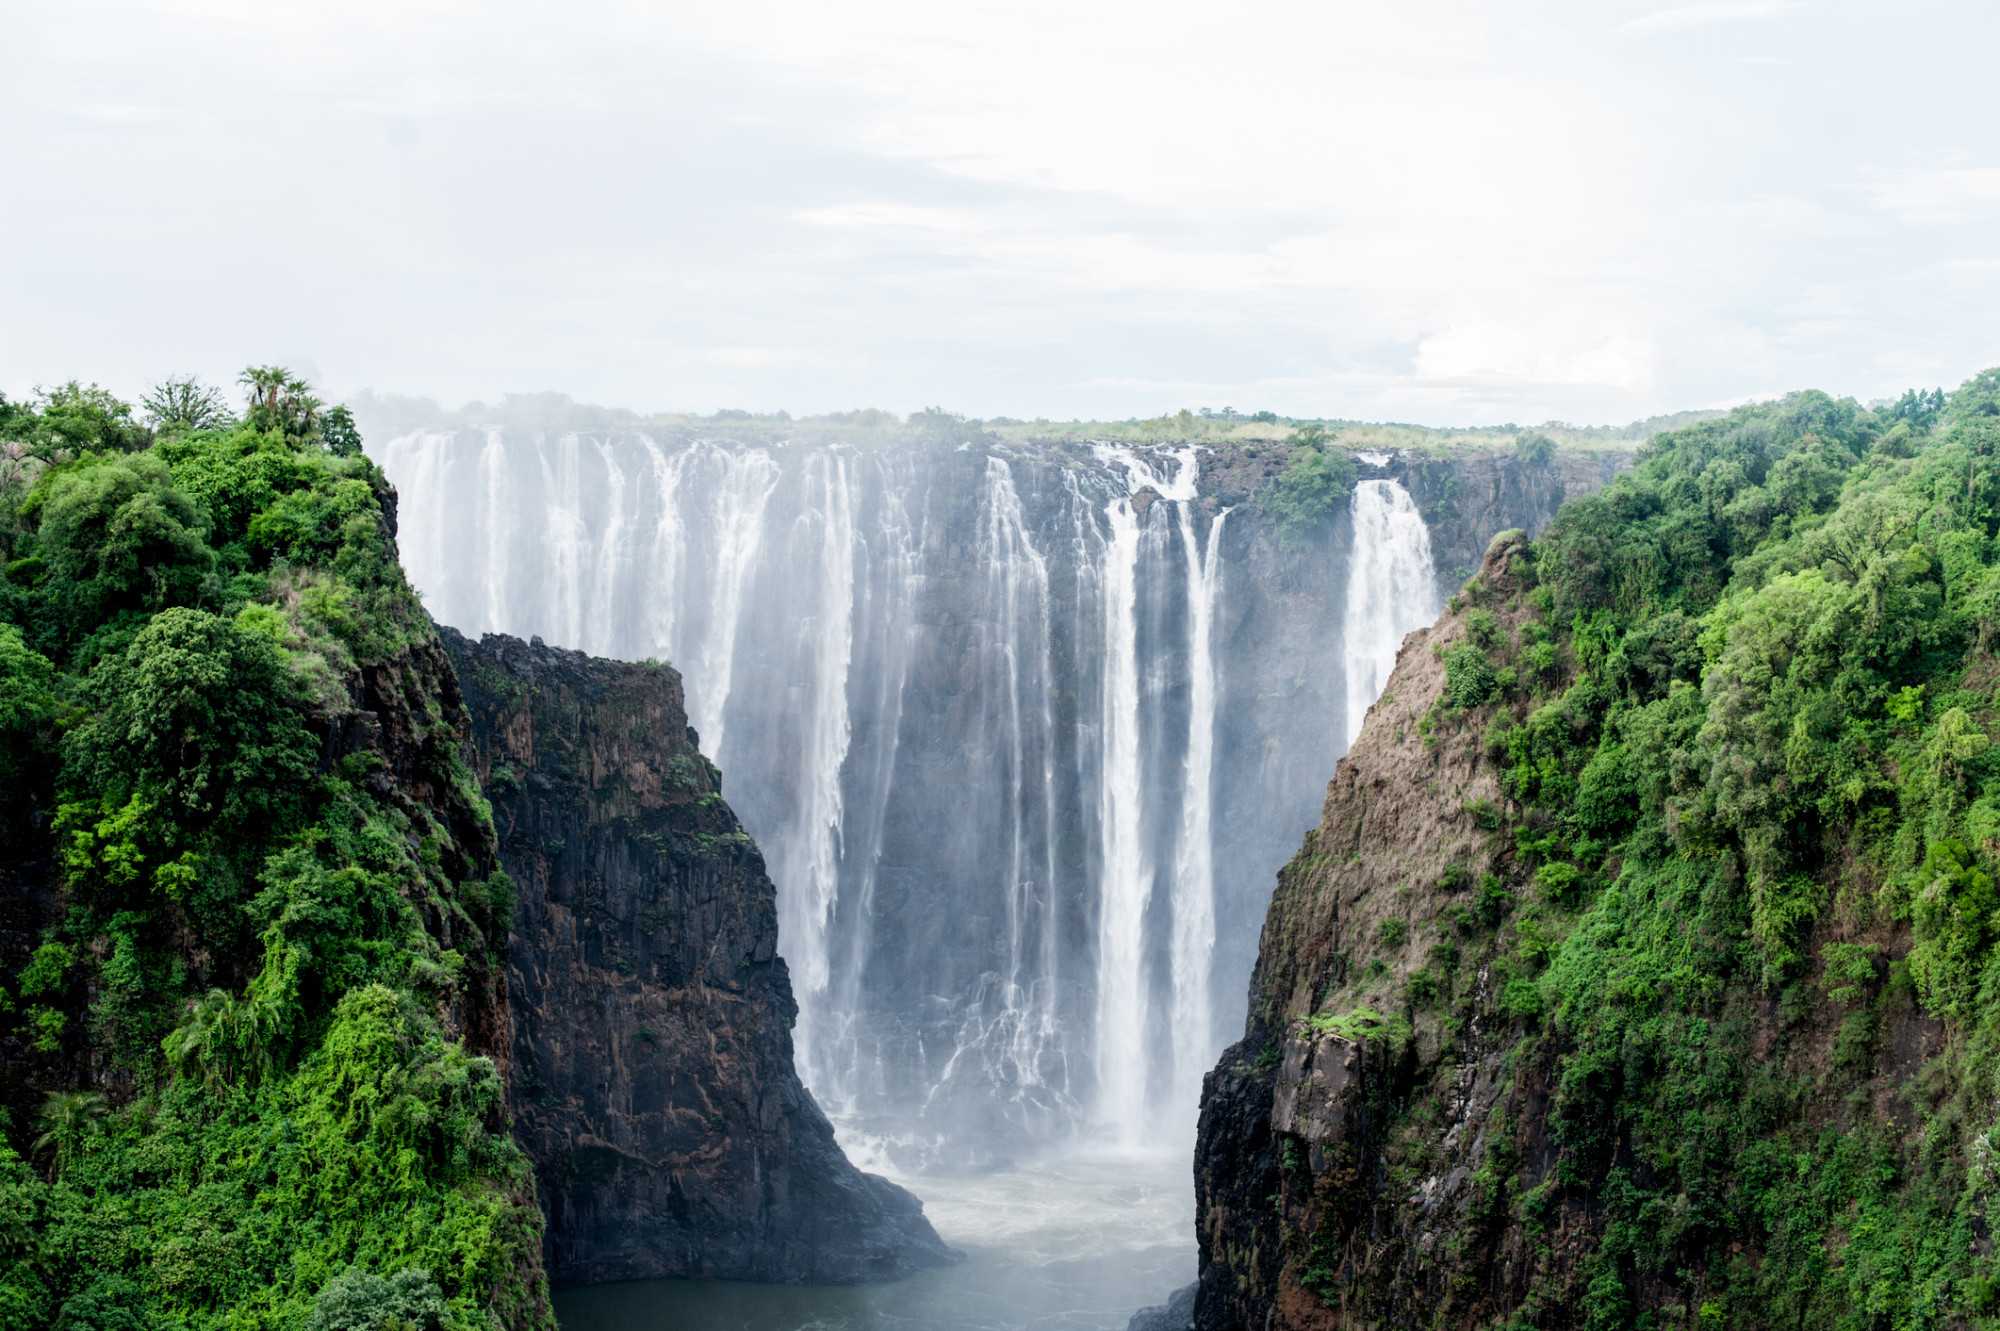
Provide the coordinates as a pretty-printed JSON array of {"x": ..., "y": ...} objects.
[
  {"x": 251, "y": 915},
  {"x": 1736, "y": 920}
]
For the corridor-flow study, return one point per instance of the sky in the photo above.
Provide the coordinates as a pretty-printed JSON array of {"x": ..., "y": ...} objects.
[{"x": 1446, "y": 213}]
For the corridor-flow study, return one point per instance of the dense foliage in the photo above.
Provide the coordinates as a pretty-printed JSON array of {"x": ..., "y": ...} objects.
[
  {"x": 1313, "y": 488},
  {"x": 1740, "y": 915},
  {"x": 250, "y": 937}
]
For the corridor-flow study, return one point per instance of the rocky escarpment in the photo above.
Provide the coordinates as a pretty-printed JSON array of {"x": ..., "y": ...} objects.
[
  {"x": 653, "y": 1081},
  {"x": 1295, "y": 1207}
]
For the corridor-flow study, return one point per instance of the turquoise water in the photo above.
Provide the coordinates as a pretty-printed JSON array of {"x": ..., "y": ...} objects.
[{"x": 1074, "y": 1243}]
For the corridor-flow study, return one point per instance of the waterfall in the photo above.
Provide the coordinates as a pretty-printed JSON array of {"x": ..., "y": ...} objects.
[
  {"x": 808, "y": 860},
  {"x": 1018, "y": 599},
  {"x": 669, "y": 548},
  {"x": 1021, "y": 788},
  {"x": 1127, "y": 884},
  {"x": 736, "y": 526},
  {"x": 1194, "y": 859},
  {"x": 1391, "y": 590}
]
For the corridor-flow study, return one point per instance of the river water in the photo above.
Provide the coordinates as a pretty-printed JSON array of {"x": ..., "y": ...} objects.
[{"x": 1074, "y": 1242}]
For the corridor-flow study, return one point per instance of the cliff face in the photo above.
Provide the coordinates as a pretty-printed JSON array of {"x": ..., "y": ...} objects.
[
  {"x": 653, "y": 1082},
  {"x": 1466, "y": 499},
  {"x": 1301, "y": 1221},
  {"x": 1285, "y": 1141},
  {"x": 1424, "y": 1124}
]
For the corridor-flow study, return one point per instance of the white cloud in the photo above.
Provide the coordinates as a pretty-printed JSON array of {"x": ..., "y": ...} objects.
[
  {"x": 1683, "y": 18},
  {"x": 1940, "y": 195},
  {"x": 1436, "y": 210}
]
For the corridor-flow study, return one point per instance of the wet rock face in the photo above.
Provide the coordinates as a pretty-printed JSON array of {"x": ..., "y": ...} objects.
[{"x": 652, "y": 1080}]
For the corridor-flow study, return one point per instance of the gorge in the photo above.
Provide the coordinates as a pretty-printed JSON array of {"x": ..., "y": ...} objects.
[
  {"x": 995, "y": 712},
  {"x": 474, "y": 917},
  {"x": 1024, "y": 727}
]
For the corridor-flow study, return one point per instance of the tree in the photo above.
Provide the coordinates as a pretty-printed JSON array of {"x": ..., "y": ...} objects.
[
  {"x": 27, "y": 717},
  {"x": 78, "y": 418},
  {"x": 67, "y": 1119},
  {"x": 1535, "y": 450},
  {"x": 1310, "y": 491},
  {"x": 183, "y": 402},
  {"x": 1918, "y": 408},
  {"x": 337, "y": 428},
  {"x": 281, "y": 401},
  {"x": 116, "y": 535},
  {"x": 358, "y": 1300}
]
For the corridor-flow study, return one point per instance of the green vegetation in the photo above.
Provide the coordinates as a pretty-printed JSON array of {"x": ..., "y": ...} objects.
[
  {"x": 238, "y": 1095},
  {"x": 1361, "y": 1023},
  {"x": 1216, "y": 427},
  {"x": 1312, "y": 489},
  {"x": 1741, "y": 910}
]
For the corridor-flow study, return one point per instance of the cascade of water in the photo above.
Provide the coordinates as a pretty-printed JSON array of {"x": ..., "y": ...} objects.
[
  {"x": 1391, "y": 590},
  {"x": 418, "y": 461},
  {"x": 1017, "y": 573},
  {"x": 1194, "y": 857},
  {"x": 600, "y": 622},
  {"x": 975, "y": 715},
  {"x": 808, "y": 860},
  {"x": 1126, "y": 886},
  {"x": 573, "y": 550},
  {"x": 498, "y": 522},
  {"x": 741, "y": 495},
  {"x": 885, "y": 632},
  {"x": 669, "y": 550}
]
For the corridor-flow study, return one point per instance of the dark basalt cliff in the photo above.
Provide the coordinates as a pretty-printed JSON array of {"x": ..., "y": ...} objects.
[{"x": 652, "y": 1080}]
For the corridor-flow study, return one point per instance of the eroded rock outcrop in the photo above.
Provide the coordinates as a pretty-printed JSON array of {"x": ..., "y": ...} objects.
[{"x": 652, "y": 1079}]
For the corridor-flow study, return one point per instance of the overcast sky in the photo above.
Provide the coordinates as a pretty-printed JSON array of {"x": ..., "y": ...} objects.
[{"x": 1451, "y": 213}]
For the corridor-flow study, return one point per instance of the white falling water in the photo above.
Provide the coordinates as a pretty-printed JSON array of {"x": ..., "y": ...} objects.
[
  {"x": 669, "y": 549},
  {"x": 1018, "y": 589},
  {"x": 1391, "y": 591},
  {"x": 497, "y": 528},
  {"x": 569, "y": 535},
  {"x": 736, "y": 525},
  {"x": 978, "y": 713},
  {"x": 886, "y": 633},
  {"x": 808, "y": 861},
  {"x": 1126, "y": 887},
  {"x": 601, "y": 623},
  {"x": 1194, "y": 856}
]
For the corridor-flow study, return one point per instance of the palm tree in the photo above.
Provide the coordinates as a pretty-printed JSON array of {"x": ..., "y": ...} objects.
[
  {"x": 280, "y": 400},
  {"x": 206, "y": 1039},
  {"x": 67, "y": 1118},
  {"x": 267, "y": 384}
]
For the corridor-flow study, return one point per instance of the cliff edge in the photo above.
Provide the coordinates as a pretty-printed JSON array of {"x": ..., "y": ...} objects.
[{"x": 652, "y": 1081}]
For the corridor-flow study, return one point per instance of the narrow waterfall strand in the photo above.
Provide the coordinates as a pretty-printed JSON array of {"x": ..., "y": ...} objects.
[
  {"x": 741, "y": 498},
  {"x": 1126, "y": 886},
  {"x": 1194, "y": 859},
  {"x": 810, "y": 887},
  {"x": 1391, "y": 590}
]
